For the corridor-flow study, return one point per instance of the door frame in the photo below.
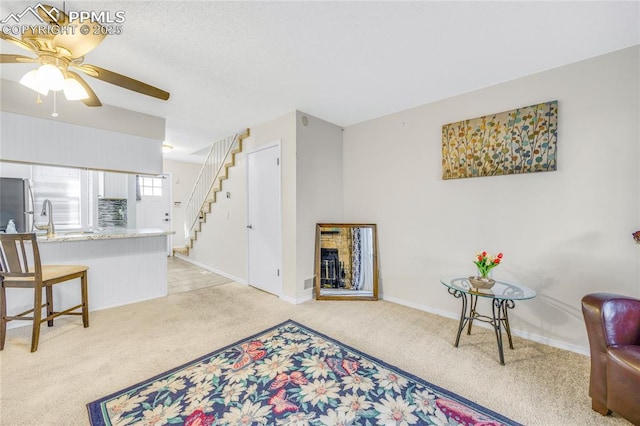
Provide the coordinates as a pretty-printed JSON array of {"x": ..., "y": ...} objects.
[
  {"x": 167, "y": 178},
  {"x": 278, "y": 144}
]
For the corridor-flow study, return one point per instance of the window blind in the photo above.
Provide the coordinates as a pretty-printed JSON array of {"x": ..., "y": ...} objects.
[{"x": 63, "y": 186}]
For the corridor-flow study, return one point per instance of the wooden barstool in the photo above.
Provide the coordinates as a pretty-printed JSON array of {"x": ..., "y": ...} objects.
[{"x": 17, "y": 272}]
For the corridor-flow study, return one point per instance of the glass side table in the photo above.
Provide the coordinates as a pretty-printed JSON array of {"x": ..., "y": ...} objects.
[{"x": 503, "y": 294}]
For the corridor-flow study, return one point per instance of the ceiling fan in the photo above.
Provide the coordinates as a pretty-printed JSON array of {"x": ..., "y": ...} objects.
[{"x": 59, "y": 53}]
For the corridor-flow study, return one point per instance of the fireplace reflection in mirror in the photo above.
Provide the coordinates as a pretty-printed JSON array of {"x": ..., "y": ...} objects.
[{"x": 346, "y": 263}]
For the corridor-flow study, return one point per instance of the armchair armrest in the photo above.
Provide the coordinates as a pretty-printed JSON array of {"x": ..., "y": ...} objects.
[{"x": 611, "y": 320}]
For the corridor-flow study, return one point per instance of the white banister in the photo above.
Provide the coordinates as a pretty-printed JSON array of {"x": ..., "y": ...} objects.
[{"x": 211, "y": 169}]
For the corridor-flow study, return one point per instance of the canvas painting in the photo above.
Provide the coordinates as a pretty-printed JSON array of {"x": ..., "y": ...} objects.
[{"x": 522, "y": 140}]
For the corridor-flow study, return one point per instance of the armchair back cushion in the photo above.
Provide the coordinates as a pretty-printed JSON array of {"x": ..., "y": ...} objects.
[{"x": 621, "y": 320}]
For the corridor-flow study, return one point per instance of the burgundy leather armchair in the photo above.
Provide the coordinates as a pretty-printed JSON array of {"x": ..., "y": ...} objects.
[{"x": 613, "y": 328}]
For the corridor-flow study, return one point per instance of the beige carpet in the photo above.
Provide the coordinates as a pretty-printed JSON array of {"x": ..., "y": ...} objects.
[{"x": 539, "y": 385}]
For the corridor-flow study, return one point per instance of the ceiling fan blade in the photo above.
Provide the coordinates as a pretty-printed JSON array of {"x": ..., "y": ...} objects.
[
  {"x": 92, "y": 100},
  {"x": 6, "y": 58},
  {"x": 123, "y": 81},
  {"x": 17, "y": 42}
]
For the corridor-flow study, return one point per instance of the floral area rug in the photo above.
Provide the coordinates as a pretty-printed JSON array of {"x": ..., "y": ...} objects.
[{"x": 288, "y": 375}]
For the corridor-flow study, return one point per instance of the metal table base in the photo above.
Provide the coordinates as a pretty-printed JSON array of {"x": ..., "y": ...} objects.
[{"x": 498, "y": 320}]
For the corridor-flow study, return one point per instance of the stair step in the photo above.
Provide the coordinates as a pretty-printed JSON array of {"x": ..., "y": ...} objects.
[
  {"x": 211, "y": 199},
  {"x": 182, "y": 250}
]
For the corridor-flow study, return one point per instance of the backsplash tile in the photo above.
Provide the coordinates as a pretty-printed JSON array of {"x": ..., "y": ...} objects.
[{"x": 112, "y": 212}]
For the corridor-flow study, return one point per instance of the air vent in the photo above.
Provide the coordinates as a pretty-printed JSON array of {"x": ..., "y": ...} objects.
[{"x": 308, "y": 283}]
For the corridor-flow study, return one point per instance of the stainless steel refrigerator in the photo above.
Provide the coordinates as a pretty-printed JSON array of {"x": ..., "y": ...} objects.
[{"x": 16, "y": 202}]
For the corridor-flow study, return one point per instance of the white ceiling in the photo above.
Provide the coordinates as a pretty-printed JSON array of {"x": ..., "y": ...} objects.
[{"x": 233, "y": 65}]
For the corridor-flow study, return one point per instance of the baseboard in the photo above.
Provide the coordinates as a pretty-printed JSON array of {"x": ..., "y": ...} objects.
[
  {"x": 209, "y": 268},
  {"x": 308, "y": 295},
  {"x": 525, "y": 335},
  {"x": 288, "y": 299}
]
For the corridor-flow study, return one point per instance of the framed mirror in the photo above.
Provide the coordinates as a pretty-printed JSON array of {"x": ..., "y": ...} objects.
[{"x": 346, "y": 261}]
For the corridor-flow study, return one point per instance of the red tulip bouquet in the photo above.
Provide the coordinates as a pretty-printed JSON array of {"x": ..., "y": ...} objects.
[{"x": 485, "y": 263}]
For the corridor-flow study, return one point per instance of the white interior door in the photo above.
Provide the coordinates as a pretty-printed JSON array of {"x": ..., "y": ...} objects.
[
  {"x": 153, "y": 210},
  {"x": 263, "y": 227}
]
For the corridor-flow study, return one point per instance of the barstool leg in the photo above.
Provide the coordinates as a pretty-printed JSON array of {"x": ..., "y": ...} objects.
[
  {"x": 49, "y": 293},
  {"x": 3, "y": 315},
  {"x": 37, "y": 314},
  {"x": 85, "y": 300}
]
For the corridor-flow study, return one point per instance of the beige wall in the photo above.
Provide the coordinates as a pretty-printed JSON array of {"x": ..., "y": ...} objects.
[
  {"x": 183, "y": 178},
  {"x": 311, "y": 192},
  {"x": 564, "y": 233},
  {"x": 318, "y": 190},
  {"x": 222, "y": 245}
]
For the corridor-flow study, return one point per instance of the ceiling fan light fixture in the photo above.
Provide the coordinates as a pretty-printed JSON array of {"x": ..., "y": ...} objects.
[
  {"x": 31, "y": 81},
  {"x": 73, "y": 90},
  {"x": 51, "y": 77},
  {"x": 46, "y": 77}
]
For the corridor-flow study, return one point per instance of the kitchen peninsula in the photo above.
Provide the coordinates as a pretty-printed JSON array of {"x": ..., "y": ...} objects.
[{"x": 125, "y": 266}]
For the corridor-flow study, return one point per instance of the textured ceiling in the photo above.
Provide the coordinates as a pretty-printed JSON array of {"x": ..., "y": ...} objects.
[{"x": 232, "y": 65}]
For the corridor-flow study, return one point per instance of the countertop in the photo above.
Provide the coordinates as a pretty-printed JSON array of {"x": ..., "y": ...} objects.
[{"x": 106, "y": 234}]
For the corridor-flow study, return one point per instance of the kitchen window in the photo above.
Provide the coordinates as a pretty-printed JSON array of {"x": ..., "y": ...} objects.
[{"x": 150, "y": 186}]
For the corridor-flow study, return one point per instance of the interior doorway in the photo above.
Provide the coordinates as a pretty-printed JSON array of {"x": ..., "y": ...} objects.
[
  {"x": 264, "y": 229},
  {"x": 153, "y": 204}
]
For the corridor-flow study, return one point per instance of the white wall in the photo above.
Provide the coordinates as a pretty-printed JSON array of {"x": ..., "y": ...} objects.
[
  {"x": 104, "y": 138},
  {"x": 280, "y": 129},
  {"x": 221, "y": 246},
  {"x": 564, "y": 233},
  {"x": 38, "y": 141},
  {"x": 311, "y": 173},
  {"x": 318, "y": 190},
  {"x": 15, "y": 170},
  {"x": 183, "y": 178}
]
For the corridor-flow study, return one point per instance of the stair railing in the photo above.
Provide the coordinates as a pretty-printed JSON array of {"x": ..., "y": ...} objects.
[{"x": 213, "y": 165}]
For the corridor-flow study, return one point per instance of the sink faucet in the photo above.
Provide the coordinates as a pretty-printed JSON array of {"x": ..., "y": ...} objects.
[{"x": 51, "y": 230}]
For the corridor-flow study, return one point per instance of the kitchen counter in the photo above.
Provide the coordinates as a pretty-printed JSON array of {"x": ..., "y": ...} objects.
[
  {"x": 106, "y": 234},
  {"x": 125, "y": 266}
]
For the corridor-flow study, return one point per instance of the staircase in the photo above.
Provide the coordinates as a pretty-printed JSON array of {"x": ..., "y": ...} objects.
[{"x": 215, "y": 170}]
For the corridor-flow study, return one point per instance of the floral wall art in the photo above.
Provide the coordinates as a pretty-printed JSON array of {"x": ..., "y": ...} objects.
[{"x": 522, "y": 140}]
